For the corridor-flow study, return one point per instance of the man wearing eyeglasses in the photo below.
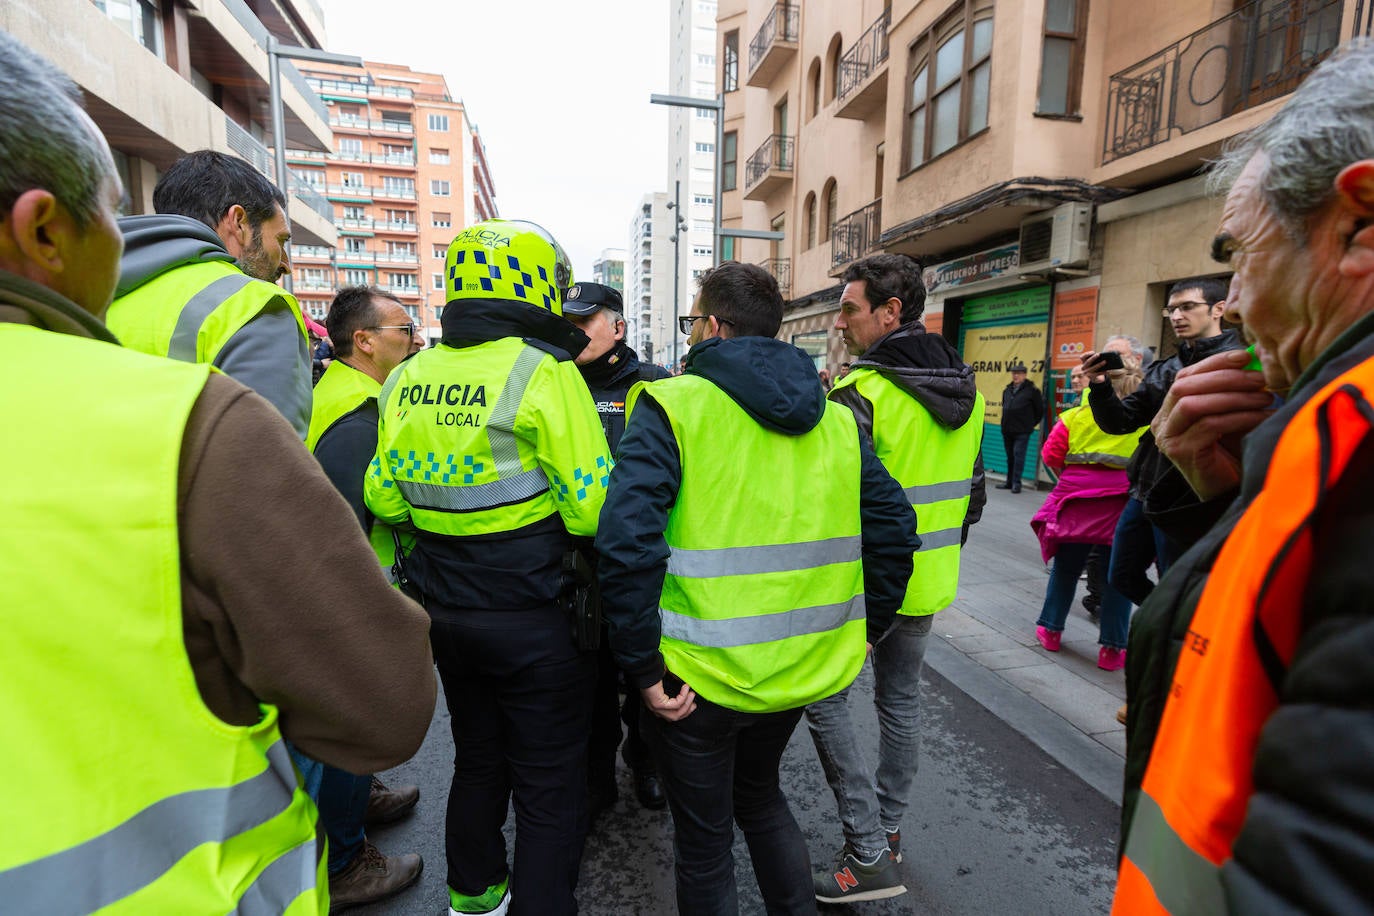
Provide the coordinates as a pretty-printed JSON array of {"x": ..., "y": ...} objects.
[
  {"x": 1194, "y": 308},
  {"x": 371, "y": 334},
  {"x": 750, "y": 544}
]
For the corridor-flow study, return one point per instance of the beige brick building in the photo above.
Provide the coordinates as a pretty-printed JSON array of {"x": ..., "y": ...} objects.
[{"x": 1040, "y": 157}]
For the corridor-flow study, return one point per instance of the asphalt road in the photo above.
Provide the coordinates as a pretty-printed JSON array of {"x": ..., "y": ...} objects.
[{"x": 996, "y": 826}]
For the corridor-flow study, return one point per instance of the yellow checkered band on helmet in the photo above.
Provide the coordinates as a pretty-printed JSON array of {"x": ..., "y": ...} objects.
[{"x": 508, "y": 259}]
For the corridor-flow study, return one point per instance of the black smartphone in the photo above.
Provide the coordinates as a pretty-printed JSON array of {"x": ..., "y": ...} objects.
[{"x": 1111, "y": 360}]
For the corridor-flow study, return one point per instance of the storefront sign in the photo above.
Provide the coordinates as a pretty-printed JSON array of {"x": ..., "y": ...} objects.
[
  {"x": 1000, "y": 331},
  {"x": 1075, "y": 326},
  {"x": 985, "y": 265}
]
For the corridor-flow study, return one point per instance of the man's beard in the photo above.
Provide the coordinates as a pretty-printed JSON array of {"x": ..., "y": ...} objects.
[{"x": 256, "y": 262}]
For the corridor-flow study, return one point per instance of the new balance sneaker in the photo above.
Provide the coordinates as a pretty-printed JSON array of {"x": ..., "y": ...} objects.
[
  {"x": 494, "y": 901},
  {"x": 851, "y": 879},
  {"x": 894, "y": 841},
  {"x": 1050, "y": 639}
]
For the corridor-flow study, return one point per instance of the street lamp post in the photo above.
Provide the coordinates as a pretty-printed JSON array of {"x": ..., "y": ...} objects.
[
  {"x": 275, "y": 52},
  {"x": 679, "y": 226}
]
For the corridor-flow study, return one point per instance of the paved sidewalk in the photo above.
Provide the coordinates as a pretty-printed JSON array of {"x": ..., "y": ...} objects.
[{"x": 985, "y": 644}]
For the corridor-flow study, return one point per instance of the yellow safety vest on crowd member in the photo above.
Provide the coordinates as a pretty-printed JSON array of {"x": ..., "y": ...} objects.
[
  {"x": 486, "y": 439},
  {"x": 762, "y": 608},
  {"x": 1088, "y": 444},
  {"x": 341, "y": 391},
  {"x": 934, "y": 464},
  {"x": 123, "y": 792},
  {"x": 190, "y": 312}
]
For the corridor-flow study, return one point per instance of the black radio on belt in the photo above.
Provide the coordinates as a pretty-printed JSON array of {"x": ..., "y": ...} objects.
[{"x": 583, "y": 598}]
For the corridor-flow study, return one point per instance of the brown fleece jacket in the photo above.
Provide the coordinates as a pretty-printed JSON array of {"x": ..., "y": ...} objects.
[{"x": 283, "y": 600}]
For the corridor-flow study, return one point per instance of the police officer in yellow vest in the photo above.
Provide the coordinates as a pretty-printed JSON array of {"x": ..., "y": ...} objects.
[
  {"x": 751, "y": 545},
  {"x": 489, "y": 446},
  {"x": 198, "y": 280},
  {"x": 915, "y": 397},
  {"x": 149, "y": 679},
  {"x": 372, "y": 334}
]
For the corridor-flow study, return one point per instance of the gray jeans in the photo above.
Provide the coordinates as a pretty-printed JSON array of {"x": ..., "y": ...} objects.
[{"x": 868, "y": 801}]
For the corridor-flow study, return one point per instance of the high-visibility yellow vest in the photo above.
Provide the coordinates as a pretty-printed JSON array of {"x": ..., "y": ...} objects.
[
  {"x": 1088, "y": 444},
  {"x": 934, "y": 464},
  {"x": 123, "y": 793},
  {"x": 763, "y": 602},
  {"x": 485, "y": 439},
  {"x": 341, "y": 391},
  {"x": 190, "y": 312}
]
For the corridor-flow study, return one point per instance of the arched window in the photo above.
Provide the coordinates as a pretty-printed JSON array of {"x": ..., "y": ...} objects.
[
  {"x": 832, "y": 60},
  {"x": 811, "y": 221},
  {"x": 829, "y": 213},
  {"x": 813, "y": 83}
]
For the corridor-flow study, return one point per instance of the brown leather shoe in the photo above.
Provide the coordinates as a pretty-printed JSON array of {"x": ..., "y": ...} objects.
[
  {"x": 372, "y": 876},
  {"x": 387, "y": 805}
]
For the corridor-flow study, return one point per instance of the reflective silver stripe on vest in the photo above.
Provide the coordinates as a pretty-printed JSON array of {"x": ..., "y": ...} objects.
[
  {"x": 134, "y": 854},
  {"x": 767, "y": 558},
  {"x": 1183, "y": 880},
  {"x": 1107, "y": 458},
  {"x": 937, "y": 492},
  {"x": 292, "y": 874},
  {"x": 746, "y": 631},
  {"x": 945, "y": 537},
  {"x": 194, "y": 313},
  {"x": 501, "y": 427},
  {"x": 453, "y": 498}
]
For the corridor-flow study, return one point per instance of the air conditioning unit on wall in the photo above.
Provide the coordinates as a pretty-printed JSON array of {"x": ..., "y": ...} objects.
[{"x": 1056, "y": 238}]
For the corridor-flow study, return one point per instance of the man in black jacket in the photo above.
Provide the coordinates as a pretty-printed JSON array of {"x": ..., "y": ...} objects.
[
  {"x": 1023, "y": 407},
  {"x": 720, "y": 736},
  {"x": 1195, "y": 307},
  {"x": 610, "y": 367}
]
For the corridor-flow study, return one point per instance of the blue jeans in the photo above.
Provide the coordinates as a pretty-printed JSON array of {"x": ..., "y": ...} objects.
[
  {"x": 1115, "y": 612},
  {"x": 1133, "y": 550},
  {"x": 719, "y": 767},
  {"x": 870, "y": 800}
]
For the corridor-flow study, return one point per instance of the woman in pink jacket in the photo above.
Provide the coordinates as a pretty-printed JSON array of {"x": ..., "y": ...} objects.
[{"x": 1082, "y": 511}]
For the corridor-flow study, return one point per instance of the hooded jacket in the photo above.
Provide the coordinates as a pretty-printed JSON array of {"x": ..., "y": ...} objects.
[
  {"x": 777, "y": 386},
  {"x": 926, "y": 368},
  {"x": 269, "y": 354}
]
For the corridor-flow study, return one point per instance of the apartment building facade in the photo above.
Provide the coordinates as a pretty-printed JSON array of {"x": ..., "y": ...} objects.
[
  {"x": 649, "y": 280},
  {"x": 1041, "y": 158},
  {"x": 162, "y": 78},
  {"x": 609, "y": 269},
  {"x": 407, "y": 171}
]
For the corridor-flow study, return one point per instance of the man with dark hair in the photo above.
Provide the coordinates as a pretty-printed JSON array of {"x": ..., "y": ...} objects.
[
  {"x": 916, "y": 400},
  {"x": 198, "y": 280},
  {"x": 372, "y": 334},
  {"x": 728, "y": 613},
  {"x": 610, "y": 367},
  {"x": 1194, "y": 308},
  {"x": 160, "y": 638}
]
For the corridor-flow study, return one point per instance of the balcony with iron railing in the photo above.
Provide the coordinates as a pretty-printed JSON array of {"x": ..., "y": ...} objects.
[
  {"x": 863, "y": 74},
  {"x": 396, "y": 225},
  {"x": 357, "y": 258},
  {"x": 402, "y": 289},
  {"x": 355, "y": 223},
  {"x": 1258, "y": 53},
  {"x": 397, "y": 257},
  {"x": 394, "y": 192},
  {"x": 855, "y": 235},
  {"x": 781, "y": 270},
  {"x": 350, "y": 191},
  {"x": 775, "y": 43},
  {"x": 769, "y": 168},
  {"x": 346, "y": 88},
  {"x": 373, "y": 125},
  {"x": 310, "y": 253},
  {"x": 390, "y": 92}
]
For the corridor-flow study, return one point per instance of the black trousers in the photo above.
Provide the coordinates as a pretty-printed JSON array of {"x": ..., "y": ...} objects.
[
  {"x": 719, "y": 768},
  {"x": 1015, "y": 444},
  {"x": 519, "y": 694},
  {"x": 608, "y": 712}
]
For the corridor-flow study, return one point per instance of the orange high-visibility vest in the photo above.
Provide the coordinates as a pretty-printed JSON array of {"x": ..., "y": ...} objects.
[{"x": 1237, "y": 651}]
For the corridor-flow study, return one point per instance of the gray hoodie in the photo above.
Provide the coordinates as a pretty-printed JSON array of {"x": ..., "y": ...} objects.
[{"x": 268, "y": 354}]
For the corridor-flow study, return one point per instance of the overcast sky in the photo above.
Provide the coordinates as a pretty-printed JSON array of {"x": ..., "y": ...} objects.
[{"x": 560, "y": 92}]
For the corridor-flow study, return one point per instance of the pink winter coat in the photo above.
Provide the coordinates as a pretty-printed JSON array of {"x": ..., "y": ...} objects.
[{"x": 1084, "y": 506}]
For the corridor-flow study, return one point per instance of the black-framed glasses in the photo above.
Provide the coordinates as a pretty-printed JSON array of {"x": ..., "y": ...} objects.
[
  {"x": 408, "y": 328},
  {"x": 1169, "y": 310},
  {"x": 684, "y": 323}
]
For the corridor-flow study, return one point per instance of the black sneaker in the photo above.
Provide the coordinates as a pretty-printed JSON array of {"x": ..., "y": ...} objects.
[
  {"x": 850, "y": 880},
  {"x": 894, "y": 842}
]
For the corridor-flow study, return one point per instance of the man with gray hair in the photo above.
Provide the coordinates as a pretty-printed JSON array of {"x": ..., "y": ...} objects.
[
  {"x": 160, "y": 640},
  {"x": 1248, "y": 783}
]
